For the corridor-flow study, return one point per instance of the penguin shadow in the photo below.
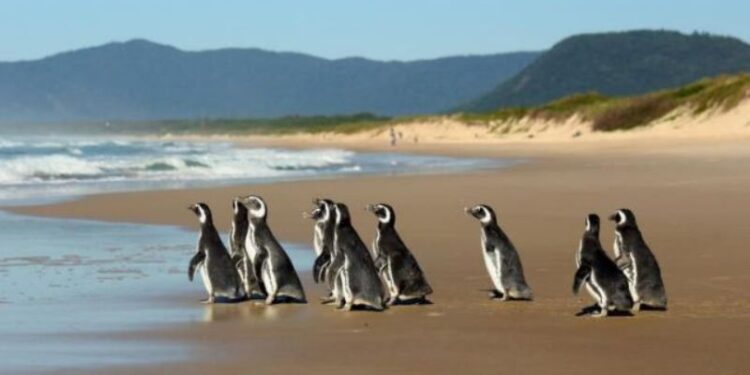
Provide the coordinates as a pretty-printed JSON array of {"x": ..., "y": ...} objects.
[
  {"x": 416, "y": 302},
  {"x": 495, "y": 295},
  {"x": 652, "y": 308}
]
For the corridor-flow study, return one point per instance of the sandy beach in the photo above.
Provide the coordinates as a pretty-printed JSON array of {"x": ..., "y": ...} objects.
[{"x": 690, "y": 197}]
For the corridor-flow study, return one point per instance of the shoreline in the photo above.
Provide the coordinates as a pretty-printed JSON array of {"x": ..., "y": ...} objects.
[{"x": 688, "y": 196}]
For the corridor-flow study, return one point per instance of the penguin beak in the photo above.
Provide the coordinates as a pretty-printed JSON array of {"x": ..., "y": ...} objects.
[
  {"x": 613, "y": 217},
  {"x": 370, "y": 208},
  {"x": 467, "y": 210}
]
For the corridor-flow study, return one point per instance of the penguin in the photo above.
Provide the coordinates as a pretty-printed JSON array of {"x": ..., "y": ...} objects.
[
  {"x": 270, "y": 262},
  {"x": 603, "y": 279},
  {"x": 397, "y": 266},
  {"x": 635, "y": 258},
  {"x": 220, "y": 276},
  {"x": 239, "y": 254},
  {"x": 323, "y": 242},
  {"x": 500, "y": 258},
  {"x": 358, "y": 284}
]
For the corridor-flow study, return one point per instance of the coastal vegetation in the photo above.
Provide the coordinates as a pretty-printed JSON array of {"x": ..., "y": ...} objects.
[
  {"x": 603, "y": 113},
  {"x": 622, "y": 113}
]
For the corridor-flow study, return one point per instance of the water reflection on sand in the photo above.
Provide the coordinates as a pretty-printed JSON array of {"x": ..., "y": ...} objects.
[{"x": 68, "y": 287}]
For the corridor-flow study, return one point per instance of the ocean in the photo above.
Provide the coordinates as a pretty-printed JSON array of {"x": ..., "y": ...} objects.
[
  {"x": 68, "y": 288},
  {"x": 43, "y": 169}
]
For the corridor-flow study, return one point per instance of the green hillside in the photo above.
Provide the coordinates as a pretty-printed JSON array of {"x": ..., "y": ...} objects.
[{"x": 618, "y": 64}]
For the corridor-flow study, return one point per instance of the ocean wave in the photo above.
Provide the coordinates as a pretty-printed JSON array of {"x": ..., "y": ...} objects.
[{"x": 44, "y": 161}]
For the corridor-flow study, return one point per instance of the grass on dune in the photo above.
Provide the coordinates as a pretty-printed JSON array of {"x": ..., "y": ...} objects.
[{"x": 610, "y": 114}]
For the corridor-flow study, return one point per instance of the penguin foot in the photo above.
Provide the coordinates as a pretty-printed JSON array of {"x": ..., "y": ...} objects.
[
  {"x": 207, "y": 301},
  {"x": 327, "y": 300},
  {"x": 497, "y": 295},
  {"x": 645, "y": 307},
  {"x": 413, "y": 301},
  {"x": 270, "y": 300},
  {"x": 590, "y": 310}
]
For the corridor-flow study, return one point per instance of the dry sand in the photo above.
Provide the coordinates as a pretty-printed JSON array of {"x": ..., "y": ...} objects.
[{"x": 691, "y": 199}]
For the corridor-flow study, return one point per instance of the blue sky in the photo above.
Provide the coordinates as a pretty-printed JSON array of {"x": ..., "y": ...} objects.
[{"x": 382, "y": 29}]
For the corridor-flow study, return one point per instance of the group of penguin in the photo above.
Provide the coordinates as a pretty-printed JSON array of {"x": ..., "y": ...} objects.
[{"x": 257, "y": 267}]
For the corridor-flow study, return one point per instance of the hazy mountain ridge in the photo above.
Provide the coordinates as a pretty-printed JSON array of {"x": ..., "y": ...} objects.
[
  {"x": 620, "y": 63},
  {"x": 140, "y": 80}
]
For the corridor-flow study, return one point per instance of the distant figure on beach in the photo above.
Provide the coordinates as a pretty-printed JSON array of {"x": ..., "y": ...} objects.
[
  {"x": 393, "y": 136},
  {"x": 500, "y": 257}
]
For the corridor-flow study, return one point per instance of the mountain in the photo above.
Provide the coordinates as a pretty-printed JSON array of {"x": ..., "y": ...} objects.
[
  {"x": 622, "y": 63},
  {"x": 142, "y": 80}
]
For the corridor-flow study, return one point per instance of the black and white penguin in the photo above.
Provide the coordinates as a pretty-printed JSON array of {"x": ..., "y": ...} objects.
[
  {"x": 270, "y": 262},
  {"x": 634, "y": 257},
  {"x": 500, "y": 257},
  {"x": 220, "y": 276},
  {"x": 325, "y": 222},
  {"x": 604, "y": 281},
  {"x": 243, "y": 263},
  {"x": 358, "y": 284},
  {"x": 397, "y": 266}
]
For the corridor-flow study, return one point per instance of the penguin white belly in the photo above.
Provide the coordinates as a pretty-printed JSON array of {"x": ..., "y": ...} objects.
[
  {"x": 391, "y": 280},
  {"x": 345, "y": 282},
  {"x": 492, "y": 262},
  {"x": 251, "y": 248},
  {"x": 318, "y": 241},
  {"x": 633, "y": 280},
  {"x": 244, "y": 275},
  {"x": 592, "y": 291},
  {"x": 206, "y": 279},
  {"x": 616, "y": 246},
  {"x": 596, "y": 291},
  {"x": 268, "y": 277}
]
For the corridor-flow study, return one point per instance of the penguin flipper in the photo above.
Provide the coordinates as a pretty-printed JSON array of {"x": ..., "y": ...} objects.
[
  {"x": 380, "y": 263},
  {"x": 260, "y": 258},
  {"x": 582, "y": 274},
  {"x": 321, "y": 264},
  {"x": 237, "y": 260},
  {"x": 195, "y": 261}
]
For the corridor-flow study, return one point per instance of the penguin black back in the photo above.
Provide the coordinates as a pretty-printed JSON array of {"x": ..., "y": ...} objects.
[
  {"x": 604, "y": 280},
  {"x": 638, "y": 262},
  {"x": 239, "y": 228}
]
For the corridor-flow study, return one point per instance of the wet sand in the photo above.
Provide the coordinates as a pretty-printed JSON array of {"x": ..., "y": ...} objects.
[{"x": 692, "y": 203}]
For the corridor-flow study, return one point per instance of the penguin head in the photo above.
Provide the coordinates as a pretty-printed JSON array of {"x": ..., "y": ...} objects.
[
  {"x": 201, "y": 210},
  {"x": 484, "y": 213},
  {"x": 623, "y": 218},
  {"x": 592, "y": 224},
  {"x": 238, "y": 209},
  {"x": 342, "y": 214},
  {"x": 256, "y": 207},
  {"x": 383, "y": 211},
  {"x": 322, "y": 211}
]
